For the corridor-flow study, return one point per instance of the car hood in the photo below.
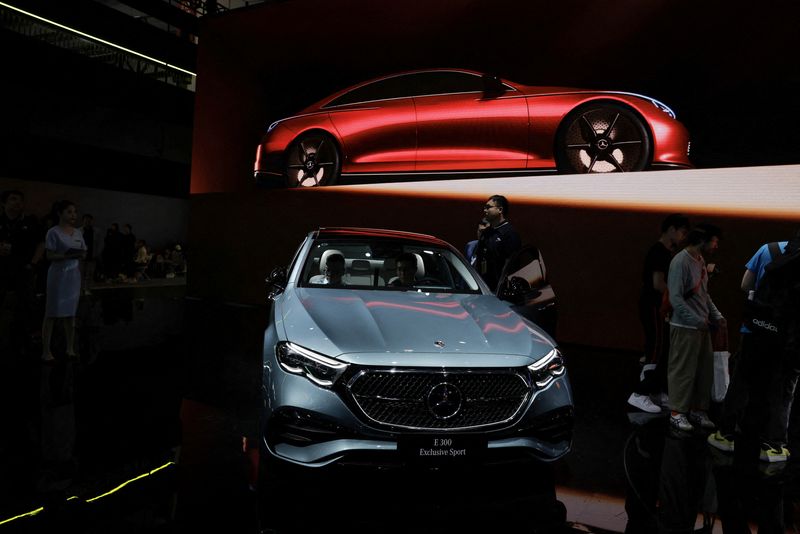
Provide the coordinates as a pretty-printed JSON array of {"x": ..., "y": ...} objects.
[{"x": 402, "y": 325}]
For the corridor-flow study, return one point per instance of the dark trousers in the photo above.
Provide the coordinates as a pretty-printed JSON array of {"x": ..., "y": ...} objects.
[
  {"x": 761, "y": 391},
  {"x": 656, "y": 348}
]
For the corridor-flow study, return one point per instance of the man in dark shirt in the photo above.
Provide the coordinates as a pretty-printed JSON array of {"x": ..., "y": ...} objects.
[
  {"x": 656, "y": 333},
  {"x": 497, "y": 242},
  {"x": 21, "y": 249}
]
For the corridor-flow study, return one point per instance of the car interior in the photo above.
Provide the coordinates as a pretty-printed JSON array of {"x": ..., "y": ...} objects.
[{"x": 364, "y": 267}]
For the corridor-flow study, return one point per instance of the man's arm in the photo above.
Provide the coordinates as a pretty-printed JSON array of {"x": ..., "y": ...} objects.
[
  {"x": 676, "y": 283},
  {"x": 659, "y": 281},
  {"x": 748, "y": 281},
  {"x": 713, "y": 311}
]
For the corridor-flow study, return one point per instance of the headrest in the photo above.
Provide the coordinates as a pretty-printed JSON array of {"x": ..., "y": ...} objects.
[
  {"x": 360, "y": 266},
  {"x": 420, "y": 267}
]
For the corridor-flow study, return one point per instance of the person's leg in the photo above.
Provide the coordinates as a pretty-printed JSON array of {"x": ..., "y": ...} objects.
[
  {"x": 738, "y": 394},
  {"x": 781, "y": 394},
  {"x": 653, "y": 327},
  {"x": 47, "y": 334},
  {"x": 646, "y": 318},
  {"x": 704, "y": 374},
  {"x": 69, "y": 333},
  {"x": 682, "y": 367}
]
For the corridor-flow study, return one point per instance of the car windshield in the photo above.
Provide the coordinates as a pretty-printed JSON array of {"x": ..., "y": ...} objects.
[{"x": 386, "y": 265}]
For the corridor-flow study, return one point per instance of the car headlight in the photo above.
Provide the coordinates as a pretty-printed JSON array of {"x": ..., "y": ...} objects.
[
  {"x": 663, "y": 107},
  {"x": 547, "y": 369},
  {"x": 321, "y": 370},
  {"x": 272, "y": 126}
]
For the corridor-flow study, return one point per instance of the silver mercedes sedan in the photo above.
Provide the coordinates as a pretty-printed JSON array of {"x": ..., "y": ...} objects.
[{"x": 386, "y": 347}]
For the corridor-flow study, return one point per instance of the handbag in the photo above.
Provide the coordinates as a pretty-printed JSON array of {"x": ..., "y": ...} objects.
[
  {"x": 719, "y": 343},
  {"x": 719, "y": 386}
]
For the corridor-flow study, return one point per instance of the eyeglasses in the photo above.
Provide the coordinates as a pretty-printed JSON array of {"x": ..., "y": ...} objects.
[{"x": 489, "y": 206}]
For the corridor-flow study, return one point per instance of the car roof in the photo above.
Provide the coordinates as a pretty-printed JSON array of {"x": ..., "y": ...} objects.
[
  {"x": 334, "y": 232},
  {"x": 324, "y": 103}
]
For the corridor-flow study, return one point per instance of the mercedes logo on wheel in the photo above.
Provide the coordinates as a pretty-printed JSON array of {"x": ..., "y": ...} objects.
[
  {"x": 602, "y": 144},
  {"x": 444, "y": 400}
]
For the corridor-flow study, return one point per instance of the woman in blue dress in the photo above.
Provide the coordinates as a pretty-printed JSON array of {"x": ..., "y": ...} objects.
[{"x": 64, "y": 247}]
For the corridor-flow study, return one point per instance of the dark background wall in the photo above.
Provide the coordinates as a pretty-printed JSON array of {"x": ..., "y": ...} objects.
[
  {"x": 728, "y": 71},
  {"x": 69, "y": 119}
]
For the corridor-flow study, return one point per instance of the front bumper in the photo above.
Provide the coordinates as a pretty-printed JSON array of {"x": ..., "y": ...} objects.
[{"x": 312, "y": 426}]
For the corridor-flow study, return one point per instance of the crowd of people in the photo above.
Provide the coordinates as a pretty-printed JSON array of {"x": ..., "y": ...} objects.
[
  {"x": 55, "y": 258},
  {"x": 681, "y": 325}
]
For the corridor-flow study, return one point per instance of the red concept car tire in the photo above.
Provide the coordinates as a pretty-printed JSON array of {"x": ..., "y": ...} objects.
[
  {"x": 602, "y": 137},
  {"x": 312, "y": 160}
]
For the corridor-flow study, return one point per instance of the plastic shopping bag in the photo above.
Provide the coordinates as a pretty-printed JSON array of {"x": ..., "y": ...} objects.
[{"x": 721, "y": 375}]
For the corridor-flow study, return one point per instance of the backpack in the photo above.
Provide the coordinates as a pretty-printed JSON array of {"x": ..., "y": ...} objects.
[{"x": 775, "y": 305}]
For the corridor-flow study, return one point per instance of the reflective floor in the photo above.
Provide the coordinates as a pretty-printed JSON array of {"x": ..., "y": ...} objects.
[{"x": 148, "y": 431}]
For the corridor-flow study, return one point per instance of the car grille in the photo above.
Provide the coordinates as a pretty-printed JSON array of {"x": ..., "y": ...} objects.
[{"x": 404, "y": 398}]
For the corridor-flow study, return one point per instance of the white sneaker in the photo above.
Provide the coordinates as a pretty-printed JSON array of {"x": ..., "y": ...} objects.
[
  {"x": 643, "y": 402},
  {"x": 680, "y": 422},
  {"x": 701, "y": 419},
  {"x": 662, "y": 399}
]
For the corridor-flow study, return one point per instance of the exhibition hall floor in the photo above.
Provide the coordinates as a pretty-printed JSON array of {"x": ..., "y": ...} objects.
[{"x": 148, "y": 432}]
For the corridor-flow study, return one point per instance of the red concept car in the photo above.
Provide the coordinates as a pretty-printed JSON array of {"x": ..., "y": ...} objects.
[{"x": 448, "y": 121}]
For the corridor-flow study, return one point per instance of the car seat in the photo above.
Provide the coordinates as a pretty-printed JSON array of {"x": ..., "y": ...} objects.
[{"x": 360, "y": 273}]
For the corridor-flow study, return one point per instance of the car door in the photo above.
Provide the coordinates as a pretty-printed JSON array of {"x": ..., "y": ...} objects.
[
  {"x": 525, "y": 283},
  {"x": 461, "y": 126},
  {"x": 377, "y": 125}
]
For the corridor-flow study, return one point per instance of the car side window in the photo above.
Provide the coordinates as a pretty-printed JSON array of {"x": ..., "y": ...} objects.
[
  {"x": 394, "y": 87},
  {"x": 444, "y": 82},
  {"x": 415, "y": 84}
]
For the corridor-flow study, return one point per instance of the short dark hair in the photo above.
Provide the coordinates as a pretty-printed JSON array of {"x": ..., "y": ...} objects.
[
  {"x": 5, "y": 194},
  {"x": 674, "y": 220},
  {"x": 60, "y": 206},
  {"x": 335, "y": 257},
  {"x": 502, "y": 202},
  {"x": 703, "y": 233}
]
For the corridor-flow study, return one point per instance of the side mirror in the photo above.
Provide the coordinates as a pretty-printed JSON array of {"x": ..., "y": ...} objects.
[
  {"x": 276, "y": 282},
  {"x": 514, "y": 290},
  {"x": 493, "y": 86}
]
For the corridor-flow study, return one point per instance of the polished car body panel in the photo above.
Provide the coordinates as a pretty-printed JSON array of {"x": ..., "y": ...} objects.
[
  {"x": 467, "y": 324},
  {"x": 397, "y": 331},
  {"x": 469, "y": 130}
]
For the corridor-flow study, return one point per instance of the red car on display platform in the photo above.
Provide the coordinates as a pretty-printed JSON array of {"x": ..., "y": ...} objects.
[{"x": 448, "y": 121}]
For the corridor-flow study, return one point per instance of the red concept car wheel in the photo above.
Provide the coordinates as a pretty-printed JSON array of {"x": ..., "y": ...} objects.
[
  {"x": 312, "y": 160},
  {"x": 600, "y": 138}
]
